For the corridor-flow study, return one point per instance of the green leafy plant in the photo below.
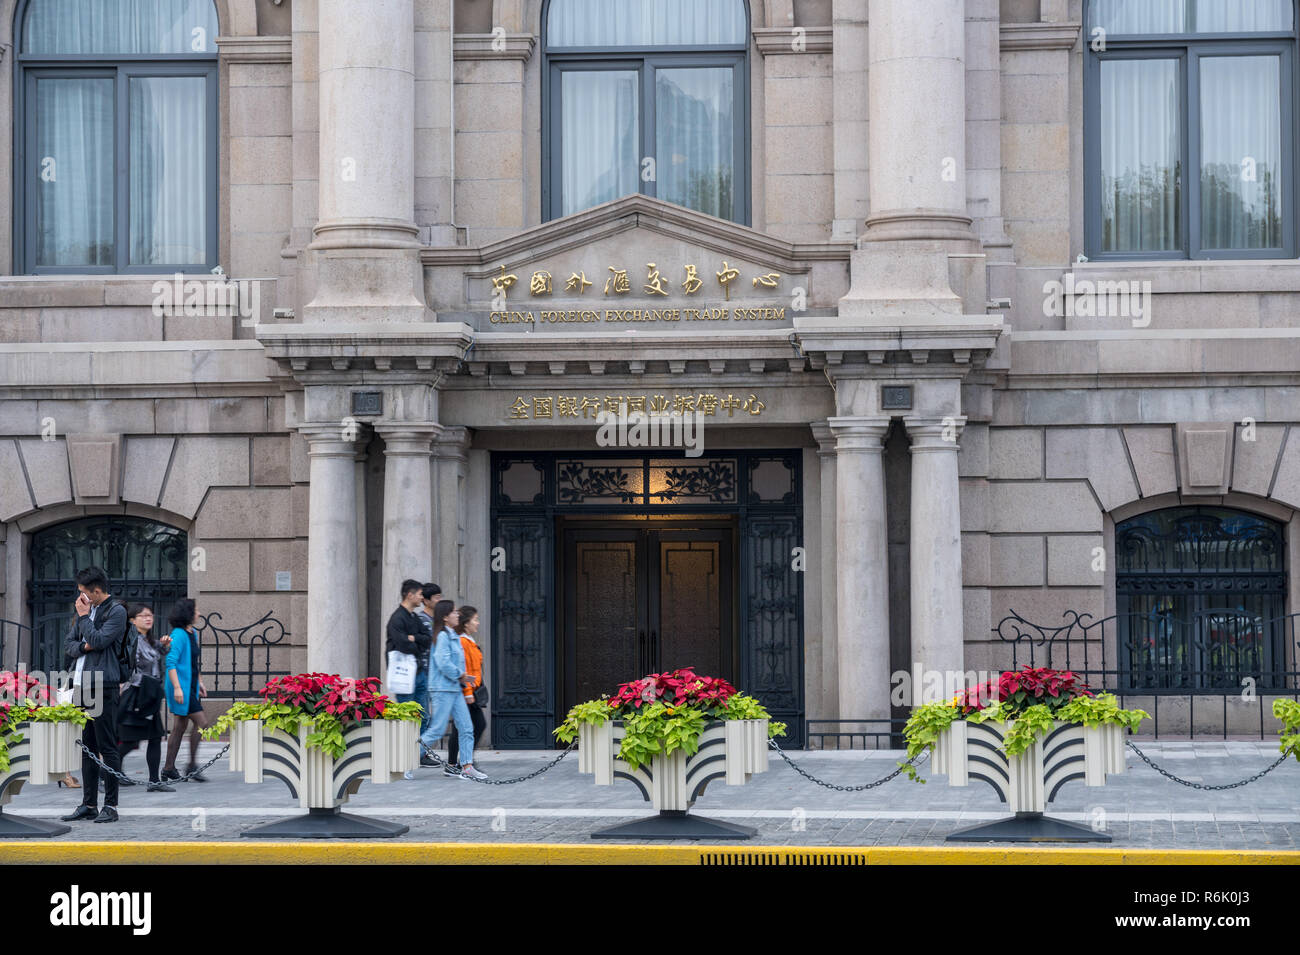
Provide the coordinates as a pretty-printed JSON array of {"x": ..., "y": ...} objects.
[
  {"x": 1034, "y": 722},
  {"x": 1029, "y": 701},
  {"x": 922, "y": 731},
  {"x": 325, "y": 705},
  {"x": 591, "y": 713},
  {"x": 13, "y": 715},
  {"x": 1288, "y": 711},
  {"x": 1101, "y": 710},
  {"x": 665, "y": 712}
]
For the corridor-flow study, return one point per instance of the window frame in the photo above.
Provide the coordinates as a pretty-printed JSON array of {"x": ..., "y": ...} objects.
[
  {"x": 645, "y": 61},
  {"x": 1189, "y": 49},
  {"x": 1185, "y": 584},
  {"x": 27, "y": 68}
]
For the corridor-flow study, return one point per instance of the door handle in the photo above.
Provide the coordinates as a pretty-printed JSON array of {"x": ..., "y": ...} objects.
[
  {"x": 654, "y": 650},
  {"x": 641, "y": 652}
]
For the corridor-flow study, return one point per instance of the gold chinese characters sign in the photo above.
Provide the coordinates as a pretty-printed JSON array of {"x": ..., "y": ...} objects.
[
  {"x": 619, "y": 283},
  {"x": 710, "y": 405}
]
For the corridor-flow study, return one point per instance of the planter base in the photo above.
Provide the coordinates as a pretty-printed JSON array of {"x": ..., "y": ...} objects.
[
  {"x": 327, "y": 824},
  {"x": 675, "y": 825},
  {"x": 1029, "y": 827},
  {"x": 16, "y": 827}
]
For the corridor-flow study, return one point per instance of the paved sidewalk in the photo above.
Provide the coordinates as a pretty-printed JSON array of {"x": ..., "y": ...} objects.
[{"x": 1139, "y": 809}]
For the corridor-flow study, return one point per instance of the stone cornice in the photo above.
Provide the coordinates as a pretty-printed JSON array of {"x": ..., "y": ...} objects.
[
  {"x": 255, "y": 49},
  {"x": 638, "y": 211},
  {"x": 885, "y": 351},
  {"x": 490, "y": 46},
  {"x": 775, "y": 41},
  {"x": 1039, "y": 36},
  {"x": 331, "y": 350}
]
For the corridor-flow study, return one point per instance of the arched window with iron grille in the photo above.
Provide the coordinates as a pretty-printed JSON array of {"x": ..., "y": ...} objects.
[
  {"x": 1201, "y": 600},
  {"x": 144, "y": 560}
]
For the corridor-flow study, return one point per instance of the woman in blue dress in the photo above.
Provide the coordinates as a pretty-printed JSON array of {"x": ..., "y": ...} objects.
[{"x": 183, "y": 689}]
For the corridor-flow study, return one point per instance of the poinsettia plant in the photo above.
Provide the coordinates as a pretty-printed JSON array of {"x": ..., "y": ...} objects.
[
  {"x": 1031, "y": 700},
  {"x": 25, "y": 699},
  {"x": 1017, "y": 690},
  {"x": 664, "y": 712},
  {"x": 327, "y": 704}
]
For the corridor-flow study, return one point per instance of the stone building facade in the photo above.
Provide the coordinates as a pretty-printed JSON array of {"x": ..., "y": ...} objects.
[{"x": 940, "y": 378}]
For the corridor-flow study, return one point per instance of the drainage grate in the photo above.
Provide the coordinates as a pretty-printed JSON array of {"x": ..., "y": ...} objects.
[{"x": 783, "y": 858}]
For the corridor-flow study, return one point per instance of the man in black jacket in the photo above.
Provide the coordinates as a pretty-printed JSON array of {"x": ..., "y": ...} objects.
[
  {"x": 93, "y": 644},
  {"x": 407, "y": 634}
]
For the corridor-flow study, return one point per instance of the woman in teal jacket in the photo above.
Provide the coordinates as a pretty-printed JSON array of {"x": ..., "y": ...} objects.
[{"x": 183, "y": 689}]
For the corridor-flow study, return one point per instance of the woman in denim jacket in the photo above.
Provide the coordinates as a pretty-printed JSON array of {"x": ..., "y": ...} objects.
[{"x": 446, "y": 686}]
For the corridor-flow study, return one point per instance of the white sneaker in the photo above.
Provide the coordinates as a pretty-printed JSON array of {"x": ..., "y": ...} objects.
[
  {"x": 472, "y": 773},
  {"x": 408, "y": 775}
]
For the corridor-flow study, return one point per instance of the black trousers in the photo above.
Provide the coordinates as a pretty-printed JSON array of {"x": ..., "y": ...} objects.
[
  {"x": 152, "y": 755},
  {"x": 480, "y": 722},
  {"x": 100, "y": 737}
]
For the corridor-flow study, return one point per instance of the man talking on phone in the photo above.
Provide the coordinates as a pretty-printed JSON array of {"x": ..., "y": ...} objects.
[{"x": 93, "y": 644}]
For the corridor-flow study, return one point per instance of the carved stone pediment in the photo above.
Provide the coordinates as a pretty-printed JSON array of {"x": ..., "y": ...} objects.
[{"x": 635, "y": 263}]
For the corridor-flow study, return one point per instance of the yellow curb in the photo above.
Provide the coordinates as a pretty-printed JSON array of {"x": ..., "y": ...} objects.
[{"x": 343, "y": 852}]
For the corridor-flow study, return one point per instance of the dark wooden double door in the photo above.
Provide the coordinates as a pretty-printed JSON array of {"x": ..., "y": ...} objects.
[{"x": 645, "y": 598}]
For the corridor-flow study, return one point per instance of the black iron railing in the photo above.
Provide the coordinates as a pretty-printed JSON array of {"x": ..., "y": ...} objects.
[
  {"x": 851, "y": 734},
  {"x": 239, "y": 660},
  {"x": 1215, "y": 672},
  {"x": 236, "y": 661}
]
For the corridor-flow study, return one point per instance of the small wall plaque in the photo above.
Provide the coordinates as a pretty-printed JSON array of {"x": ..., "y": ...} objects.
[
  {"x": 896, "y": 397},
  {"x": 367, "y": 402},
  {"x": 283, "y": 580}
]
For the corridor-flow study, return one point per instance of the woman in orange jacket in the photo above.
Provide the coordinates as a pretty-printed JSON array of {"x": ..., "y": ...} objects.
[{"x": 467, "y": 628}]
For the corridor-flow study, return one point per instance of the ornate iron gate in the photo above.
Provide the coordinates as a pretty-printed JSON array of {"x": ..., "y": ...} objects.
[
  {"x": 144, "y": 560},
  {"x": 529, "y": 491}
]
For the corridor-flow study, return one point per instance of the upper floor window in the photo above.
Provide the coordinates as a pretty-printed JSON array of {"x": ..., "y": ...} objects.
[
  {"x": 647, "y": 96},
  {"x": 1189, "y": 129},
  {"x": 116, "y": 136}
]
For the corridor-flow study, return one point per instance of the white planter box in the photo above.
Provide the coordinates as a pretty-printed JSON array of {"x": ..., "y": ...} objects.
[
  {"x": 1029, "y": 781},
  {"x": 46, "y": 753},
  {"x": 733, "y": 750},
  {"x": 380, "y": 751}
]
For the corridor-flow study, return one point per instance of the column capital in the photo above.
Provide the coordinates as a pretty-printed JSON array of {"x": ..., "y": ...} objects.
[
  {"x": 934, "y": 432},
  {"x": 860, "y": 433},
  {"x": 331, "y": 440},
  {"x": 452, "y": 443},
  {"x": 825, "y": 438},
  {"x": 408, "y": 438}
]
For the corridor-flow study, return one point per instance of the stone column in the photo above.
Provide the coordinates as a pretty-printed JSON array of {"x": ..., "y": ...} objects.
[
  {"x": 904, "y": 270},
  {"x": 450, "y": 454},
  {"x": 862, "y": 567},
  {"x": 850, "y": 95},
  {"x": 366, "y": 239},
  {"x": 937, "y": 618},
  {"x": 408, "y": 519},
  {"x": 829, "y": 675},
  {"x": 333, "y": 575},
  {"x": 917, "y": 95}
]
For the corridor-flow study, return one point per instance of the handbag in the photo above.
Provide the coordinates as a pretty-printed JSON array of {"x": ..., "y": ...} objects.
[
  {"x": 481, "y": 696},
  {"x": 402, "y": 670}
]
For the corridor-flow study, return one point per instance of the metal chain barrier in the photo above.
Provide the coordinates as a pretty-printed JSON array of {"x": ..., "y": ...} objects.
[
  {"x": 122, "y": 777},
  {"x": 533, "y": 775},
  {"x": 508, "y": 782},
  {"x": 844, "y": 789},
  {"x": 1191, "y": 785}
]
